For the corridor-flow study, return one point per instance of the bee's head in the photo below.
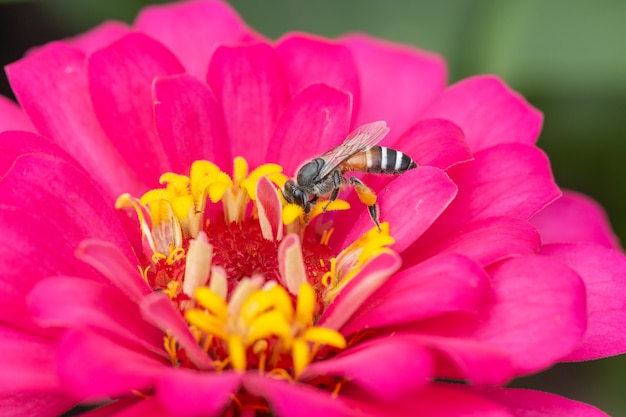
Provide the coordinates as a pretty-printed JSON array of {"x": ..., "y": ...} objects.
[{"x": 295, "y": 195}]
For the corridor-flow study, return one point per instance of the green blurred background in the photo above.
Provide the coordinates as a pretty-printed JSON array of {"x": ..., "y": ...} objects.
[{"x": 568, "y": 57}]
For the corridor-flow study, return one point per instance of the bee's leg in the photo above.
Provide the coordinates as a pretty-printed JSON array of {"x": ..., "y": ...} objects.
[
  {"x": 367, "y": 197},
  {"x": 338, "y": 181}
]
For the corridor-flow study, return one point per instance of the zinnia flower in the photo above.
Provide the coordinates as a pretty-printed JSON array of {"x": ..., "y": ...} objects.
[{"x": 152, "y": 265}]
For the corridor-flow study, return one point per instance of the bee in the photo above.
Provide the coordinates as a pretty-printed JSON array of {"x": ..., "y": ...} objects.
[{"x": 324, "y": 175}]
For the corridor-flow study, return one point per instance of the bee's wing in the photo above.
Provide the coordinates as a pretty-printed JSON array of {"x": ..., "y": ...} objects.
[{"x": 360, "y": 139}]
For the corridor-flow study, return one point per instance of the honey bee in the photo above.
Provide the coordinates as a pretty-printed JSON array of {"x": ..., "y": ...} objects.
[{"x": 324, "y": 175}]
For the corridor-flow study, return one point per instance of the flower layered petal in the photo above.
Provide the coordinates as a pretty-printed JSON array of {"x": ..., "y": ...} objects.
[
  {"x": 447, "y": 400},
  {"x": 250, "y": 84},
  {"x": 99, "y": 37},
  {"x": 387, "y": 368},
  {"x": 488, "y": 111},
  {"x": 435, "y": 142},
  {"x": 575, "y": 218},
  {"x": 316, "y": 119},
  {"x": 537, "y": 314},
  {"x": 529, "y": 403},
  {"x": 27, "y": 362},
  {"x": 131, "y": 406},
  {"x": 443, "y": 284},
  {"x": 52, "y": 87},
  {"x": 183, "y": 26},
  {"x": 188, "y": 393},
  {"x": 158, "y": 310},
  {"x": 410, "y": 203},
  {"x": 604, "y": 273},
  {"x": 298, "y": 400},
  {"x": 17, "y": 143},
  {"x": 93, "y": 366},
  {"x": 418, "y": 78},
  {"x": 485, "y": 241},
  {"x": 12, "y": 117},
  {"x": 364, "y": 284},
  {"x": 309, "y": 59},
  {"x": 111, "y": 262},
  {"x": 120, "y": 84},
  {"x": 189, "y": 122},
  {"x": 39, "y": 188},
  {"x": 468, "y": 360},
  {"x": 76, "y": 303},
  {"x": 506, "y": 180},
  {"x": 37, "y": 404}
]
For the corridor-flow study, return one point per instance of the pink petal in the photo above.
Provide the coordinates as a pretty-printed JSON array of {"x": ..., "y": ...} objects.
[
  {"x": 538, "y": 313},
  {"x": 485, "y": 241},
  {"x": 529, "y": 403},
  {"x": 248, "y": 81},
  {"x": 12, "y": 117},
  {"x": 27, "y": 236},
  {"x": 131, "y": 406},
  {"x": 27, "y": 362},
  {"x": 310, "y": 59},
  {"x": 297, "y": 400},
  {"x": 468, "y": 360},
  {"x": 316, "y": 119},
  {"x": 93, "y": 366},
  {"x": 90, "y": 306},
  {"x": 52, "y": 88},
  {"x": 65, "y": 195},
  {"x": 386, "y": 368},
  {"x": 16, "y": 143},
  {"x": 410, "y": 203},
  {"x": 434, "y": 142},
  {"x": 488, "y": 111},
  {"x": 158, "y": 310},
  {"x": 120, "y": 83},
  {"x": 444, "y": 284},
  {"x": 195, "y": 394},
  {"x": 189, "y": 122},
  {"x": 22, "y": 404},
  {"x": 111, "y": 262},
  {"x": 99, "y": 37},
  {"x": 14, "y": 309},
  {"x": 604, "y": 273},
  {"x": 193, "y": 30},
  {"x": 575, "y": 218},
  {"x": 507, "y": 180},
  {"x": 365, "y": 283},
  {"x": 397, "y": 82},
  {"x": 448, "y": 400},
  {"x": 270, "y": 211}
]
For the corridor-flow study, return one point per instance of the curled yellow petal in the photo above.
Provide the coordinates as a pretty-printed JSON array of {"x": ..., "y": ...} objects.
[
  {"x": 212, "y": 302},
  {"x": 324, "y": 336}
]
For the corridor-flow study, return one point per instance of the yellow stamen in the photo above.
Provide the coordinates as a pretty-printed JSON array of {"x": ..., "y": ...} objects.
[
  {"x": 237, "y": 353},
  {"x": 325, "y": 336},
  {"x": 352, "y": 259},
  {"x": 269, "y": 324},
  {"x": 172, "y": 289},
  {"x": 169, "y": 343},
  {"x": 206, "y": 322},
  {"x": 300, "y": 355},
  {"x": 305, "y": 307},
  {"x": 212, "y": 302},
  {"x": 240, "y": 171},
  {"x": 326, "y": 237}
]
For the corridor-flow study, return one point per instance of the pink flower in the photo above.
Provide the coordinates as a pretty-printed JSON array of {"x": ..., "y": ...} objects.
[{"x": 214, "y": 296}]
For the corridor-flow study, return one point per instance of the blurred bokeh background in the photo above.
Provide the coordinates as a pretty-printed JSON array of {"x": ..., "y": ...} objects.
[{"x": 568, "y": 57}]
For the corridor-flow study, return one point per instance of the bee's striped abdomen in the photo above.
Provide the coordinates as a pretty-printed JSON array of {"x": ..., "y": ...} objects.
[{"x": 381, "y": 159}]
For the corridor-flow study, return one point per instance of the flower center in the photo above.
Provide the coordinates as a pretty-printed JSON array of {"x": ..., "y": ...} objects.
[{"x": 250, "y": 278}]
